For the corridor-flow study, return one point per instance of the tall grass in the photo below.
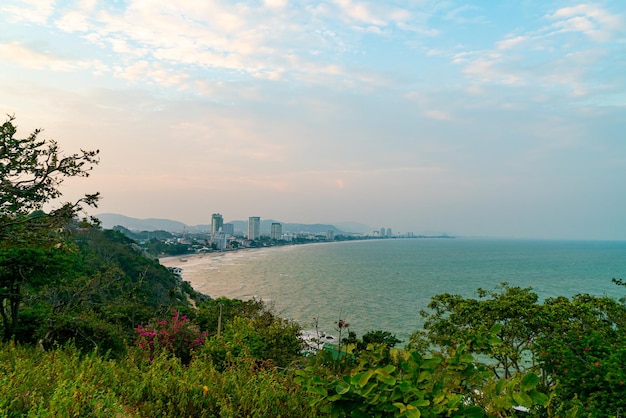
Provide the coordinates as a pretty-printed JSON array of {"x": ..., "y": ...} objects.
[{"x": 63, "y": 382}]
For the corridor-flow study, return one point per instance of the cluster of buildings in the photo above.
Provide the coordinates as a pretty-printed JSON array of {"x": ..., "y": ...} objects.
[
  {"x": 385, "y": 232},
  {"x": 221, "y": 232}
]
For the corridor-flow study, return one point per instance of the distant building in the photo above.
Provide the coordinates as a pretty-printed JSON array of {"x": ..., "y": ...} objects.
[
  {"x": 229, "y": 229},
  {"x": 388, "y": 232},
  {"x": 330, "y": 235},
  {"x": 254, "y": 227},
  {"x": 277, "y": 231},
  {"x": 217, "y": 222},
  {"x": 219, "y": 239},
  {"x": 382, "y": 232}
]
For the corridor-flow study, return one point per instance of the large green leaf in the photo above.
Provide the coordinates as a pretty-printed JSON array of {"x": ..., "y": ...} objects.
[
  {"x": 523, "y": 399},
  {"x": 529, "y": 381}
]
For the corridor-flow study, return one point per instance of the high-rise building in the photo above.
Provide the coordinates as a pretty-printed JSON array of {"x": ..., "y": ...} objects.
[
  {"x": 254, "y": 227},
  {"x": 229, "y": 229},
  {"x": 388, "y": 232},
  {"x": 277, "y": 231},
  {"x": 217, "y": 222},
  {"x": 219, "y": 239}
]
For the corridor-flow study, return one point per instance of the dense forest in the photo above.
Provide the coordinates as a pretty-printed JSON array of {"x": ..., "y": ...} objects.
[{"x": 92, "y": 327}]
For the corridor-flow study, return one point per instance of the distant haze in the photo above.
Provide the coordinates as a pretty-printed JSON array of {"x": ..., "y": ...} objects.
[
  {"x": 111, "y": 220},
  {"x": 473, "y": 119}
]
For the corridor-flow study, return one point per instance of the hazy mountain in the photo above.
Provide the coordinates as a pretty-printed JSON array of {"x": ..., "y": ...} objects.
[
  {"x": 353, "y": 227},
  {"x": 110, "y": 220}
]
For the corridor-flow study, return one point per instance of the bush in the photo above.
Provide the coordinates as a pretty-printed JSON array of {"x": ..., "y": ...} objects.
[{"x": 178, "y": 336}]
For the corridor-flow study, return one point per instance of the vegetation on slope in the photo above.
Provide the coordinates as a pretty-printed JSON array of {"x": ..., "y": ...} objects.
[{"x": 91, "y": 327}]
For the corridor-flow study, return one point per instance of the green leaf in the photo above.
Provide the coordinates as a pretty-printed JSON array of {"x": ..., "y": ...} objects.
[
  {"x": 495, "y": 341},
  {"x": 388, "y": 380},
  {"x": 374, "y": 400},
  {"x": 500, "y": 386},
  {"x": 341, "y": 389},
  {"x": 420, "y": 402},
  {"x": 430, "y": 362},
  {"x": 496, "y": 328},
  {"x": 466, "y": 358},
  {"x": 522, "y": 399},
  {"x": 365, "y": 377},
  {"x": 390, "y": 368},
  {"x": 368, "y": 388},
  {"x": 538, "y": 397},
  {"x": 400, "y": 406},
  {"x": 424, "y": 375},
  {"x": 529, "y": 381},
  {"x": 413, "y": 412},
  {"x": 474, "y": 412}
]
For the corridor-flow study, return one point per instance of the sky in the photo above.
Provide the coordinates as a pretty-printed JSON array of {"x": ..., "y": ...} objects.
[{"x": 471, "y": 118}]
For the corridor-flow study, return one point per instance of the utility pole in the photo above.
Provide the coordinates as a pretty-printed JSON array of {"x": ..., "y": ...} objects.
[{"x": 219, "y": 322}]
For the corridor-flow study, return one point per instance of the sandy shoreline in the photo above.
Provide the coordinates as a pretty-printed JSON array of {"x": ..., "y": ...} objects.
[
  {"x": 201, "y": 271},
  {"x": 220, "y": 274}
]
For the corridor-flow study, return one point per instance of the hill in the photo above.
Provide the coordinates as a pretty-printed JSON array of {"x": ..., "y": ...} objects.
[{"x": 110, "y": 220}]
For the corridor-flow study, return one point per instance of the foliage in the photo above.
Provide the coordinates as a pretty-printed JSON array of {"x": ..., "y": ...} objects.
[
  {"x": 575, "y": 346},
  {"x": 31, "y": 171},
  {"x": 585, "y": 352},
  {"x": 376, "y": 337},
  {"x": 248, "y": 328},
  {"x": 94, "y": 290},
  {"x": 414, "y": 385},
  {"x": 64, "y": 382},
  {"x": 24, "y": 269},
  {"x": 514, "y": 308},
  {"x": 176, "y": 335}
]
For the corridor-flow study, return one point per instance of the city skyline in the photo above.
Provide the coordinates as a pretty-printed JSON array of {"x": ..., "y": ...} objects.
[{"x": 474, "y": 118}]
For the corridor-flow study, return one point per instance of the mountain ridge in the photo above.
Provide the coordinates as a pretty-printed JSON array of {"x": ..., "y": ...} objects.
[{"x": 110, "y": 220}]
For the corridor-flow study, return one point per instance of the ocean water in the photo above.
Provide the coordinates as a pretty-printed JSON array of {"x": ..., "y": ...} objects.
[{"x": 383, "y": 284}]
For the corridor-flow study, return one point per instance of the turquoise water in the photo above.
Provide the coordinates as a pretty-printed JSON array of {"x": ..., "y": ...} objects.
[{"x": 383, "y": 284}]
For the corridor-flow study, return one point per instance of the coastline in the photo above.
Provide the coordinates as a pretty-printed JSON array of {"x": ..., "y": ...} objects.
[
  {"x": 202, "y": 271},
  {"x": 196, "y": 270}
]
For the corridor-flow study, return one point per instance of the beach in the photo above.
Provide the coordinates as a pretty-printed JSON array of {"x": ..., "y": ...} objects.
[
  {"x": 206, "y": 272},
  {"x": 228, "y": 273}
]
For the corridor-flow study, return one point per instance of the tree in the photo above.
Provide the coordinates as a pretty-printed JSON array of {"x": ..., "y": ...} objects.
[
  {"x": 31, "y": 173},
  {"x": 574, "y": 346},
  {"x": 515, "y": 308}
]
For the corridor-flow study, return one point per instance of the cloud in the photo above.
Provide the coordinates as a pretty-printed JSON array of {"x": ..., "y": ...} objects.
[
  {"x": 275, "y": 4},
  {"x": 511, "y": 42},
  {"x": 438, "y": 114},
  {"x": 34, "y": 11},
  {"x": 152, "y": 73},
  {"x": 459, "y": 15},
  {"x": 544, "y": 58},
  {"x": 589, "y": 19},
  {"x": 23, "y": 56}
]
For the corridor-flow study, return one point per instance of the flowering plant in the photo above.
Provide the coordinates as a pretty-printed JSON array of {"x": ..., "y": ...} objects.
[{"x": 178, "y": 336}]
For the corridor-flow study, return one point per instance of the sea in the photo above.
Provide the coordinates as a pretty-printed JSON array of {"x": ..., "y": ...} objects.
[{"x": 383, "y": 284}]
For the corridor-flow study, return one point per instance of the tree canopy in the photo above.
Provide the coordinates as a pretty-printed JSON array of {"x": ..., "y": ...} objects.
[{"x": 31, "y": 173}]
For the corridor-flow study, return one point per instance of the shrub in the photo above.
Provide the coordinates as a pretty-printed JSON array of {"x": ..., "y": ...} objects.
[{"x": 178, "y": 336}]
